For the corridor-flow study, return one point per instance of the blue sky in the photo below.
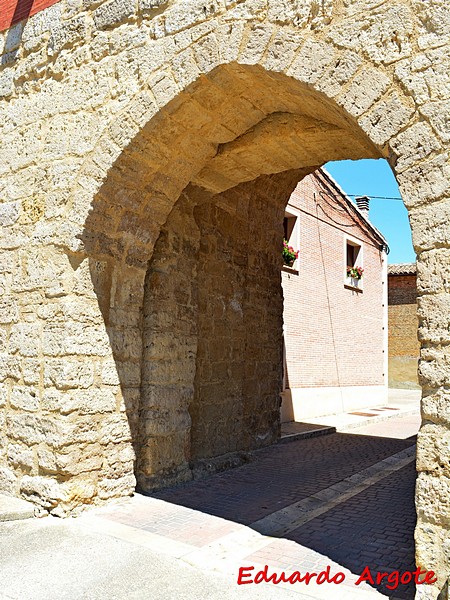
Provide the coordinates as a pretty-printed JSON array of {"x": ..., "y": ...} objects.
[{"x": 375, "y": 178}]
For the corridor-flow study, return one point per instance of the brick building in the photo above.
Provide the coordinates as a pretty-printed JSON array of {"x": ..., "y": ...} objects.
[
  {"x": 403, "y": 343},
  {"x": 335, "y": 327}
]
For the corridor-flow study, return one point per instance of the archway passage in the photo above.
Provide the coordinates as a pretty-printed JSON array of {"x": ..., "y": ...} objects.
[{"x": 196, "y": 205}]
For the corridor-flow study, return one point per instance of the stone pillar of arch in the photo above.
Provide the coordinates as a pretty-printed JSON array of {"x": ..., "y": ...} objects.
[{"x": 108, "y": 111}]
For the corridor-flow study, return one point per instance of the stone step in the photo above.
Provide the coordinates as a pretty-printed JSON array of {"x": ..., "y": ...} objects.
[{"x": 13, "y": 509}]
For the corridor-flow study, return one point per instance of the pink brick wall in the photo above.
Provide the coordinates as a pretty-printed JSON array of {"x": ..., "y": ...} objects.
[{"x": 340, "y": 342}]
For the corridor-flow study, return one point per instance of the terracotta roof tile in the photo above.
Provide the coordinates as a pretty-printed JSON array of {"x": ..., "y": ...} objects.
[{"x": 402, "y": 269}]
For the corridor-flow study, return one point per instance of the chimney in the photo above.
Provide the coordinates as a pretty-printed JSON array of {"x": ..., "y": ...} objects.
[{"x": 362, "y": 202}]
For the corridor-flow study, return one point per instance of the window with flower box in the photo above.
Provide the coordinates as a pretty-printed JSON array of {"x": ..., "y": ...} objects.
[
  {"x": 354, "y": 270},
  {"x": 291, "y": 239}
]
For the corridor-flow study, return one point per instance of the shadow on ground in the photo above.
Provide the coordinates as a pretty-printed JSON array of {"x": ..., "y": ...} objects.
[{"x": 374, "y": 528}]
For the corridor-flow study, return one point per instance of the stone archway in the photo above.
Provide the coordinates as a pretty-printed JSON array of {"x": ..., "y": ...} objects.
[{"x": 131, "y": 106}]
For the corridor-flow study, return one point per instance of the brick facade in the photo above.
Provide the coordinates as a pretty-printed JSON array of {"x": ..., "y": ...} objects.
[
  {"x": 334, "y": 335},
  {"x": 404, "y": 345}
]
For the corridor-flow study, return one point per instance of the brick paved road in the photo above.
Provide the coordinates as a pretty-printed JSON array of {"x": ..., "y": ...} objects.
[
  {"x": 373, "y": 528},
  {"x": 281, "y": 475}
]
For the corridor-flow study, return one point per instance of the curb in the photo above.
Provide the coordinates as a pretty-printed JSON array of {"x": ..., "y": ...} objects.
[{"x": 292, "y": 437}]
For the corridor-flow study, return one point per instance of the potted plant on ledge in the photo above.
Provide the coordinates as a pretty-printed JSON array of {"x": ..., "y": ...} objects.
[
  {"x": 289, "y": 254},
  {"x": 355, "y": 275}
]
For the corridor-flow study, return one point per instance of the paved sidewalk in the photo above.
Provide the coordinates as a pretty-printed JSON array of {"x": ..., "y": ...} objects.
[
  {"x": 342, "y": 501},
  {"x": 401, "y": 403}
]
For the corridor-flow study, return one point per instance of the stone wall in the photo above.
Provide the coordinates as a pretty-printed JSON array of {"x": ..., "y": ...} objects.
[
  {"x": 108, "y": 111},
  {"x": 239, "y": 363},
  {"x": 211, "y": 371}
]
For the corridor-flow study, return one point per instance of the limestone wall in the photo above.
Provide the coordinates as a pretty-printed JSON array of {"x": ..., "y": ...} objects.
[{"x": 108, "y": 111}]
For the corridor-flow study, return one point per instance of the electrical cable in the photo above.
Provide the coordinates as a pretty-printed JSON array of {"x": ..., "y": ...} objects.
[{"x": 329, "y": 304}]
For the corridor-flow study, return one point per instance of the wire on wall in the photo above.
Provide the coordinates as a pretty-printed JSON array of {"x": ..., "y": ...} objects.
[{"x": 328, "y": 302}]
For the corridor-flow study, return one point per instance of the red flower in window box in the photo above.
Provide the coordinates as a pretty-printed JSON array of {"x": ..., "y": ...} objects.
[
  {"x": 355, "y": 272},
  {"x": 289, "y": 254}
]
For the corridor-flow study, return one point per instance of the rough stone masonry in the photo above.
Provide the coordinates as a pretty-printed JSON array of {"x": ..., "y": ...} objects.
[{"x": 147, "y": 150}]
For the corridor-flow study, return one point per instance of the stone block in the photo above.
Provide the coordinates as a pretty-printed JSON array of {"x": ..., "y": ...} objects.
[
  {"x": 185, "y": 68},
  {"x": 207, "y": 53},
  {"x": 20, "y": 456},
  {"x": 429, "y": 223},
  {"x": 438, "y": 114},
  {"x": 148, "y": 6},
  {"x": 77, "y": 460},
  {"x": 434, "y": 494},
  {"x": 433, "y": 271},
  {"x": 386, "y": 119},
  {"x": 433, "y": 449},
  {"x": 6, "y": 83},
  {"x": 110, "y": 14},
  {"x": 9, "y": 213},
  {"x": 31, "y": 371},
  {"x": 69, "y": 32},
  {"x": 25, "y": 339},
  {"x": 43, "y": 491},
  {"x": 312, "y": 60},
  {"x": 258, "y": 38},
  {"x": 163, "y": 87},
  {"x": 84, "y": 339},
  {"x": 8, "y": 481},
  {"x": 434, "y": 318},
  {"x": 435, "y": 404},
  {"x": 85, "y": 402},
  {"x": 46, "y": 460},
  {"x": 24, "y": 398},
  {"x": 413, "y": 145},
  {"x": 186, "y": 13},
  {"x": 65, "y": 374},
  {"x": 366, "y": 88},
  {"x": 27, "y": 428},
  {"x": 117, "y": 488},
  {"x": 9, "y": 367},
  {"x": 3, "y": 398},
  {"x": 114, "y": 429},
  {"x": 9, "y": 311}
]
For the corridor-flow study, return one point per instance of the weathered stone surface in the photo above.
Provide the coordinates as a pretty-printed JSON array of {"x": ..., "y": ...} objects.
[
  {"x": 436, "y": 490},
  {"x": 43, "y": 491},
  {"x": 20, "y": 456},
  {"x": 25, "y": 398},
  {"x": 109, "y": 109},
  {"x": 67, "y": 374},
  {"x": 8, "y": 481}
]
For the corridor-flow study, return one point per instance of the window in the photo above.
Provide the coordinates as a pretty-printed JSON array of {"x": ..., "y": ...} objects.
[
  {"x": 353, "y": 276},
  {"x": 291, "y": 232}
]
